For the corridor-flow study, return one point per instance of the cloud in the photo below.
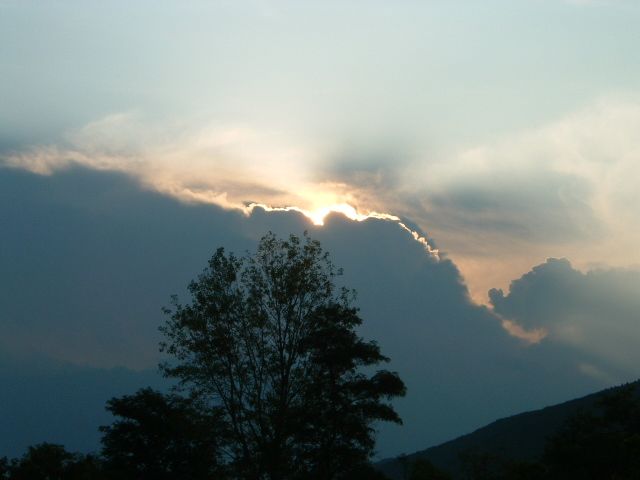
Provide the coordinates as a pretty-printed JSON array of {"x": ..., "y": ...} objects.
[
  {"x": 499, "y": 207},
  {"x": 567, "y": 187},
  {"x": 89, "y": 258},
  {"x": 596, "y": 311},
  {"x": 574, "y": 171},
  {"x": 235, "y": 168},
  {"x": 306, "y": 117},
  {"x": 227, "y": 166}
]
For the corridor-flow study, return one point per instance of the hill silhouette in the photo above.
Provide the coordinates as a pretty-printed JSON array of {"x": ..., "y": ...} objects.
[{"x": 521, "y": 437}]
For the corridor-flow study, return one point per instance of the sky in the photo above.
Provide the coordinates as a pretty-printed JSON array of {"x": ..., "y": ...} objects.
[{"x": 482, "y": 159}]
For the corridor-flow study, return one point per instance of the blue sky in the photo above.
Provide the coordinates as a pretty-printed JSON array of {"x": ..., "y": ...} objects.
[{"x": 503, "y": 133}]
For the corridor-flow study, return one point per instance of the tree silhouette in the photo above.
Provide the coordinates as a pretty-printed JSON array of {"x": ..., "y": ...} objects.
[
  {"x": 603, "y": 443},
  {"x": 270, "y": 342},
  {"x": 48, "y": 461},
  {"x": 422, "y": 469},
  {"x": 4, "y": 467},
  {"x": 160, "y": 437}
]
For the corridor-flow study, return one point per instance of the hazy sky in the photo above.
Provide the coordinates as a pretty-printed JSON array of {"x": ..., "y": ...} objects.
[{"x": 504, "y": 132}]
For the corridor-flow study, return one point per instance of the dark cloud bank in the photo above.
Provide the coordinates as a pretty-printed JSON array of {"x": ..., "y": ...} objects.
[
  {"x": 88, "y": 259},
  {"x": 596, "y": 312}
]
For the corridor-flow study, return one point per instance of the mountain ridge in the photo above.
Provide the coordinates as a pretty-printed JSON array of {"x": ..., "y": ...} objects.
[{"x": 519, "y": 437}]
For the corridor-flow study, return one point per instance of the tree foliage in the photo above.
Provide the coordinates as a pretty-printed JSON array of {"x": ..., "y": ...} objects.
[
  {"x": 47, "y": 461},
  {"x": 422, "y": 469},
  {"x": 270, "y": 344},
  {"x": 160, "y": 437},
  {"x": 603, "y": 443}
]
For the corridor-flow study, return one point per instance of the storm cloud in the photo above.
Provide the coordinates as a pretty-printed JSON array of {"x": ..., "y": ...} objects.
[{"x": 89, "y": 258}]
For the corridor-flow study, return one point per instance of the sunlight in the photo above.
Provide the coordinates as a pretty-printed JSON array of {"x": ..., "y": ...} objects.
[{"x": 317, "y": 217}]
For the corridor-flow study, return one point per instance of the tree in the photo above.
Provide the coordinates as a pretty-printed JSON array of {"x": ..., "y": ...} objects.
[
  {"x": 422, "y": 469},
  {"x": 600, "y": 443},
  {"x": 48, "y": 461},
  {"x": 270, "y": 343},
  {"x": 160, "y": 437},
  {"x": 43, "y": 461},
  {"x": 4, "y": 467},
  {"x": 480, "y": 465}
]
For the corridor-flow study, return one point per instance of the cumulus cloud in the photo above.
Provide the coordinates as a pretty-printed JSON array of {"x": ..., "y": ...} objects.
[
  {"x": 596, "y": 311},
  {"x": 89, "y": 259},
  {"x": 236, "y": 168},
  {"x": 498, "y": 207}
]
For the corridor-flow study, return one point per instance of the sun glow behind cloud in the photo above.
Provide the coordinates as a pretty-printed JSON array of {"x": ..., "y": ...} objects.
[
  {"x": 319, "y": 215},
  {"x": 498, "y": 207},
  {"x": 227, "y": 167}
]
